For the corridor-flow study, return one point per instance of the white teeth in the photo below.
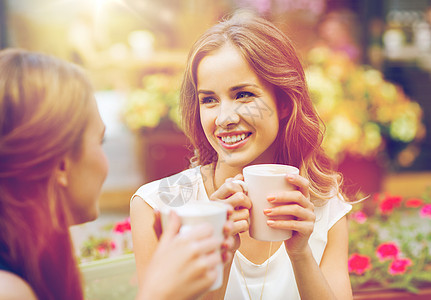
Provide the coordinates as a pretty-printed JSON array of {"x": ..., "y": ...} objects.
[{"x": 233, "y": 139}]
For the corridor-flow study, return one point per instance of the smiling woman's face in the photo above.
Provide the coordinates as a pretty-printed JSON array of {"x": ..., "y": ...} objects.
[{"x": 238, "y": 110}]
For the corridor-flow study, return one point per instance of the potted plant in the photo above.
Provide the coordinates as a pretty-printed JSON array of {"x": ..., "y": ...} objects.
[
  {"x": 152, "y": 112},
  {"x": 113, "y": 239},
  {"x": 107, "y": 263},
  {"x": 371, "y": 125},
  {"x": 364, "y": 114},
  {"x": 389, "y": 249},
  {"x": 154, "y": 103}
]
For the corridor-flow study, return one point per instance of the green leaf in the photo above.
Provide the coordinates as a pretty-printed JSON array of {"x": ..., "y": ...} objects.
[{"x": 423, "y": 276}]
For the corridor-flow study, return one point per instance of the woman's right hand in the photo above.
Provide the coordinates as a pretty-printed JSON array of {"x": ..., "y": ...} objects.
[
  {"x": 183, "y": 265},
  {"x": 232, "y": 193}
]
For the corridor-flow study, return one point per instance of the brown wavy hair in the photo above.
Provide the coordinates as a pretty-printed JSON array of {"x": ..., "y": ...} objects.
[
  {"x": 43, "y": 113},
  {"x": 271, "y": 54}
]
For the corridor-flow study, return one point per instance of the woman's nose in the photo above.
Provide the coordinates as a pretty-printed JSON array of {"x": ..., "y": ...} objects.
[{"x": 228, "y": 115}]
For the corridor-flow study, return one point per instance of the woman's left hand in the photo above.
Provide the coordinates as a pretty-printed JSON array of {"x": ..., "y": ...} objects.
[
  {"x": 295, "y": 204},
  {"x": 227, "y": 247}
]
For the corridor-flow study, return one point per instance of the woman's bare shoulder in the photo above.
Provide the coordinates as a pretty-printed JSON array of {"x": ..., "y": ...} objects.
[{"x": 13, "y": 287}]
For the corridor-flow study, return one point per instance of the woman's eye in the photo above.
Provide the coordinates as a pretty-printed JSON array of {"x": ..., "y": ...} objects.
[
  {"x": 207, "y": 100},
  {"x": 244, "y": 95}
]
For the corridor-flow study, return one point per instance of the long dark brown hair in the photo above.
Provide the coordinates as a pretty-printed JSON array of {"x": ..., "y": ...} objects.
[
  {"x": 271, "y": 54},
  {"x": 43, "y": 114}
]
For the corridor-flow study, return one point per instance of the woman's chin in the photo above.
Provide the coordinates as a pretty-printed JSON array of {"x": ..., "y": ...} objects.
[{"x": 86, "y": 217}]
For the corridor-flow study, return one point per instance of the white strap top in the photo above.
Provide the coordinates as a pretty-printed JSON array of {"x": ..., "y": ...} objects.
[{"x": 188, "y": 186}]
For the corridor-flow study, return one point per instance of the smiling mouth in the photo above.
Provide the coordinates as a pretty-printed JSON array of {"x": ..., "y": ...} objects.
[{"x": 233, "y": 139}]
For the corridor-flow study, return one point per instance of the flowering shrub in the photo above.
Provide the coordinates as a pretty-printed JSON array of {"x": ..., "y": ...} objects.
[
  {"x": 156, "y": 100},
  {"x": 387, "y": 251},
  {"x": 363, "y": 113},
  {"x": 115, "y": 239},
  {"x": 391, "y": 247},
  {"x": 358, "y": 264}
]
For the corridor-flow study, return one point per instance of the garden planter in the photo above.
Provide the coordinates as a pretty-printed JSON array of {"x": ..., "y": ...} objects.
[
  {"x": 110, "y": 278},
  {"x": 389, "y": 254},
  {"x": 380, "y": 293},
  {"x": 362, "y": 173},
  {"x": 162, "y": 151},
  {"x": 364, "y": 176}
]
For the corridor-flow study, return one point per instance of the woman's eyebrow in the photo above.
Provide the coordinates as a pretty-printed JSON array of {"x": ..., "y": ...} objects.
[
  {"x": 241, "y": 86},
  {"x": 205, "y": 92},
  {"x": 232, "y": 89}
]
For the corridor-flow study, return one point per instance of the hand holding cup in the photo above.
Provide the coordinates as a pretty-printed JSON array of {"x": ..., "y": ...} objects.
[
  {"x": 260, "y": 182},
  {"x": 196, "y": 215}
]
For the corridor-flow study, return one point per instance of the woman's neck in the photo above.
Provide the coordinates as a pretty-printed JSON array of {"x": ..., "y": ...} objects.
[
  {"x": 216, "y": 173},
  {"x": 222, "y": 171}
]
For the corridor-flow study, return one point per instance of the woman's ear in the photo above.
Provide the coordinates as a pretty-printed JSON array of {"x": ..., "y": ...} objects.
[
  {"x": 62, "y": 172},
  {"x": 284, "y": 110},
  {"x": 284, "y": 103}
]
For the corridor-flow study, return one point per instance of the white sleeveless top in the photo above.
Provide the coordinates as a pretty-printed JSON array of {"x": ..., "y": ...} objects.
[{"x": 188, "y": 187}]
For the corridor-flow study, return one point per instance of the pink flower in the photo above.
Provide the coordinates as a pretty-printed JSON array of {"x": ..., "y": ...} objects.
[
  {"x": 389, "y": 203},
  {"x": 425, "y": 211},
  {"x": 112, "y": 245},
  {"x": 358, "y": 216},
  {"x": 122, "y": 226},
  {"x": 376, "y": 197},
  {"x": 414, "y": 202},
  {"x": 388, "y": 250},
  {"x": 101, "y": 249},
  {"x": 399, "y": 266},
  {"x": 359, "y": 263}
]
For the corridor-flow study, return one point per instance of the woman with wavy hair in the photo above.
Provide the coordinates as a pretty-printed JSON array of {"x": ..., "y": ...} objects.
[
  {"x": 52, "y": 167},
  {"x": 244, "y": 101}
]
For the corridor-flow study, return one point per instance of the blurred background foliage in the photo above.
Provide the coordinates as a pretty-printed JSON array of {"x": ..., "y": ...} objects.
[{"x": 121, "y": 42}]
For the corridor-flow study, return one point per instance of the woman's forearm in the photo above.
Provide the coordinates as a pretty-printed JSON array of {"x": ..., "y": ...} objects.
[{"x": 309, "y": 278}]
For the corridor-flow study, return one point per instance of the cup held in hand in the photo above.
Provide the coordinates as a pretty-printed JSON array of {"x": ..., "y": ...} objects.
[
  {"x": 262, "y": 181},
  {"x": 196, "y": 213}
]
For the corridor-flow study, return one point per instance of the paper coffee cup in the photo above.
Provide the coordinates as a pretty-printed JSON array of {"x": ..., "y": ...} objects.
[
  {"x": 192, "y": 214},
  {"x": 261, "y": 181}
]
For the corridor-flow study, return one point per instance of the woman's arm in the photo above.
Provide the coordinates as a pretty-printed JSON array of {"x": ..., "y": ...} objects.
[
  {"x": 144, "y": 238},
  {"x": 334, "y": 261},
  {"x": 331, "y": 279},
  {"x": 13, "y": 287}
]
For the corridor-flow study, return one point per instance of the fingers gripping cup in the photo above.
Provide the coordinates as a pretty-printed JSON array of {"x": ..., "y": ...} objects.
[
  {"x": 193, "y": 214},
  {"x": 262, "y": 181}
]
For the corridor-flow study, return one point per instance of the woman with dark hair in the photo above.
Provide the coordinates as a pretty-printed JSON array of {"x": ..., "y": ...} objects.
[
  {"x": 244, "y": 101},
  {"x": 52, "y": 167}
]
